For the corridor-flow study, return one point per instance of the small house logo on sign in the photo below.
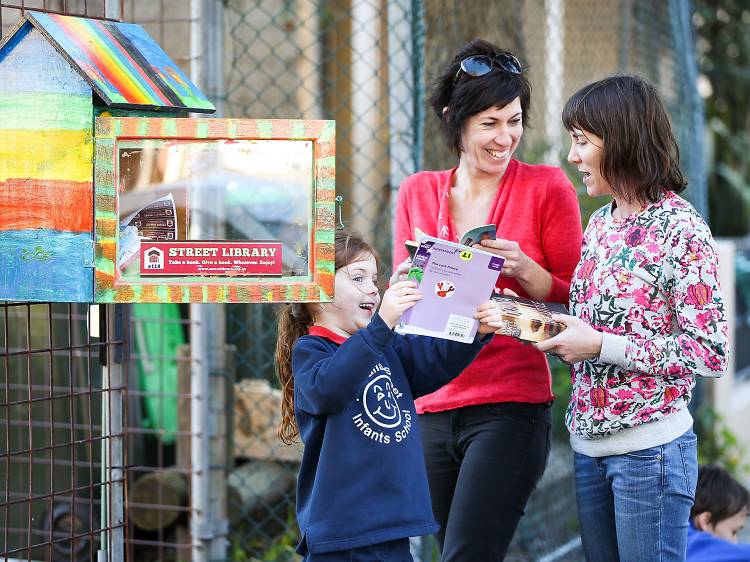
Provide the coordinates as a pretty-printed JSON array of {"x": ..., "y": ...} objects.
[
  {"x": 444, "y": 289},
  {"x": 153, "y": 258}
]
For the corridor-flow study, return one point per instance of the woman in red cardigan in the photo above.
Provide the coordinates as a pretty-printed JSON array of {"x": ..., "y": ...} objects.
[{"x": 486, "y": 434}]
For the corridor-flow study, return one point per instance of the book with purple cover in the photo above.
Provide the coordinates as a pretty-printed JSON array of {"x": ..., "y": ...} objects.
[{"x": 454, "y": 280}]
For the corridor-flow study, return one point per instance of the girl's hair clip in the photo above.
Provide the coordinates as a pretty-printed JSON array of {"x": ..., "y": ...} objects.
[{"x": 339, "y": 204}]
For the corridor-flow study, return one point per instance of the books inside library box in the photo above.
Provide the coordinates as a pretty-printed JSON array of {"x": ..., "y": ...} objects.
[{"x": 529, "y": 320}]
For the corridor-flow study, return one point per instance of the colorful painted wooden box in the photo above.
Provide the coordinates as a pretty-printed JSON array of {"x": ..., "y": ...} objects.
[{"x": 109, "y": 193}]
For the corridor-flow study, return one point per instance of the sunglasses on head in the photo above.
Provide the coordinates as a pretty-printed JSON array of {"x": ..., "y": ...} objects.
[{"x": 479, "y": 65}]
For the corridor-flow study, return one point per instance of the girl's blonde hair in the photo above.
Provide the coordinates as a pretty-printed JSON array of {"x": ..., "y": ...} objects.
[{"x": 294, "y": 322}]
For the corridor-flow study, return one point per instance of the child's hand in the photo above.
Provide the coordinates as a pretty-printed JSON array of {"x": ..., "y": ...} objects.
[
  {"x": 399, "y": 298},
  {"x": 401, "y": 272},
  {"x": 489, "y": 317}
]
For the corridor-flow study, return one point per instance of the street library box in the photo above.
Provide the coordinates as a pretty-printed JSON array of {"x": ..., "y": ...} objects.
[{"x": 109, "y": 192}]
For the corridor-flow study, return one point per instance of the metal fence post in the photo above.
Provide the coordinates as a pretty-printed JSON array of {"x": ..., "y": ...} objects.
[
  {"x": 113, "y": 450},
  {"x": 208, "y": 523}
]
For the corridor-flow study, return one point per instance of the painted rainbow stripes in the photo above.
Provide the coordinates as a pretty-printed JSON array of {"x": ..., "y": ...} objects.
[
  {"x": 109, "y": 287},
  {"x": 121, "y": 62},
  {"x": 46, "y": 173}
]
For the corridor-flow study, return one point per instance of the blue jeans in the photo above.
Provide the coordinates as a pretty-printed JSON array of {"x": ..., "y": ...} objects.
[
  {"x": 391, "y": 551},
  {"x": 635, "y": 507}
]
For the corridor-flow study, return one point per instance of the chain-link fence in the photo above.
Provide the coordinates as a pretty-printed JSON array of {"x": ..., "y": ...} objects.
[{"x": 367, "y": 64}]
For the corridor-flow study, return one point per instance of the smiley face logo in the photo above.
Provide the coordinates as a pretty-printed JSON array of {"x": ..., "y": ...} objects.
[
  {"x": 380, "y": 402},
  {"x": 445, "y": 289}
]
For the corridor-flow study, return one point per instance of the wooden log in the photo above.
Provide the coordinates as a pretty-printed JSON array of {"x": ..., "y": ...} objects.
[
  {"x": 257, "y": 413},
  {"x": 155, "y": 499},
  {"x": 257, "y": 487}
]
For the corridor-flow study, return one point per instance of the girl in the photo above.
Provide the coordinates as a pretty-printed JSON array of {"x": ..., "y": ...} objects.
[
  {"x": 648, "y": 319},
  {"x": 348, "y": 383}
]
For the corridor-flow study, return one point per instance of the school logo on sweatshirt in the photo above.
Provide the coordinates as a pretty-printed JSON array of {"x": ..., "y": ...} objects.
[{"x": 383, "y": 419}]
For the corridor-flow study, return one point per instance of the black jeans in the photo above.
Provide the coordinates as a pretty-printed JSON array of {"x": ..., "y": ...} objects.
[{"x": 483, "y": 462}]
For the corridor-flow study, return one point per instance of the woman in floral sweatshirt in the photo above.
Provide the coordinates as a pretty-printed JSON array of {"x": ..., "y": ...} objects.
[{"x": 647, "y": 319}]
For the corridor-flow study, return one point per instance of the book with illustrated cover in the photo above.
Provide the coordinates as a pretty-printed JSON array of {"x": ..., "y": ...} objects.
[
  {"x": 454, "y": 280},
  {"x": 529, "y": 320},
  {"x": 473, "y": 236}
]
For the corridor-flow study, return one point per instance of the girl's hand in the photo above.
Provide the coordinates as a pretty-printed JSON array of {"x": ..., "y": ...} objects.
[
  {"x": 401, "y": 272},
  {"x": 577, "y": 342},
  {"x": 397, "y": 299},
  {"x": 488, "y": 314}
]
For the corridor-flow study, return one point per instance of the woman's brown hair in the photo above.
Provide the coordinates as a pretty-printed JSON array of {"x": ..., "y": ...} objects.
[
  {"x": 640, "y": 157},
  {"x": 294, "y": 322}
]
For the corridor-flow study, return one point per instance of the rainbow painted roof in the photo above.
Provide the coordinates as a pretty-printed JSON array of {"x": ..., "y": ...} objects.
[{"x": 121, "y": 62}]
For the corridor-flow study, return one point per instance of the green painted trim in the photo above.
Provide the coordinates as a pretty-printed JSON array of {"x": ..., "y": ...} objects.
[
  {"x": 299, "y": 130},
  {"x": 265, "y": 129},
  {"x": 201, "y": 129}
]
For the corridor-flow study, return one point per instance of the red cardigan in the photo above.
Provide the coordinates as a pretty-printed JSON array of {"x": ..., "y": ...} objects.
[{"x": 535, "y": 206}]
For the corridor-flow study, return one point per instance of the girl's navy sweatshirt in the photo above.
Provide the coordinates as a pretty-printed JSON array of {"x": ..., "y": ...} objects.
[{"x": 362, "y": 479}]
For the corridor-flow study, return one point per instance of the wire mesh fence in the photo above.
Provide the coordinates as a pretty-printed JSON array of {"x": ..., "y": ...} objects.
[
  {"x": 57, "y": 452},
  {"x": 368, "y": 64}
]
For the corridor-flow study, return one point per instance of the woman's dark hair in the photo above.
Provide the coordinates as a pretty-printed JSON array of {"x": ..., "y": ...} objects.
[
  {"x": 719, "y": 494},
  {"x": 469, "y": 95},
  {"x": 294, "y": 322},
  {"x": 641, "y": 158}
]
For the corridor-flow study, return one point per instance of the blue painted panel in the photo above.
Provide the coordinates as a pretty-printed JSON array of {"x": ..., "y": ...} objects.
[
  {"x": 46, "y": 265},
  {"x": 33, "y": 65}
]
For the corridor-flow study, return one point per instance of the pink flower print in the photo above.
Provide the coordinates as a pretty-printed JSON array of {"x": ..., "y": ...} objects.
[
  {"x": 641, "y": 297},
  {"x": 674, "y": 370},
  {"x": 704, "y": 319},
  {"x": 714, "y": 362},
  {"x": 635, "y": 236},
  {"x": 644, "y": 414},
  {"x": 698, "y": 295},
  {"x": 624, "y": 394},
  {"x": 587, "y": 268},
  {"x": 598, "y": 415},
  {"x": 636, "y": 315},
  {"x": 618, "y": 408},
  {"x": 648, "y": 384},
  {"x": 690, "y": 347}
]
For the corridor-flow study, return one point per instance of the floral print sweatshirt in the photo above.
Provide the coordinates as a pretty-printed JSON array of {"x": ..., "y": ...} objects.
[{"x": 649, "y": 282}]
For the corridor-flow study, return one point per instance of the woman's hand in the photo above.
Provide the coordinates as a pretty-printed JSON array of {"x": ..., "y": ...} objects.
[
  {"x": 577, "y": 342},
  {"x": 397, "y": 299},
  {"x": 489, "y": 316},
  {"x": 535, "y": 280},
  {"x": 401, "y": 272}
]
